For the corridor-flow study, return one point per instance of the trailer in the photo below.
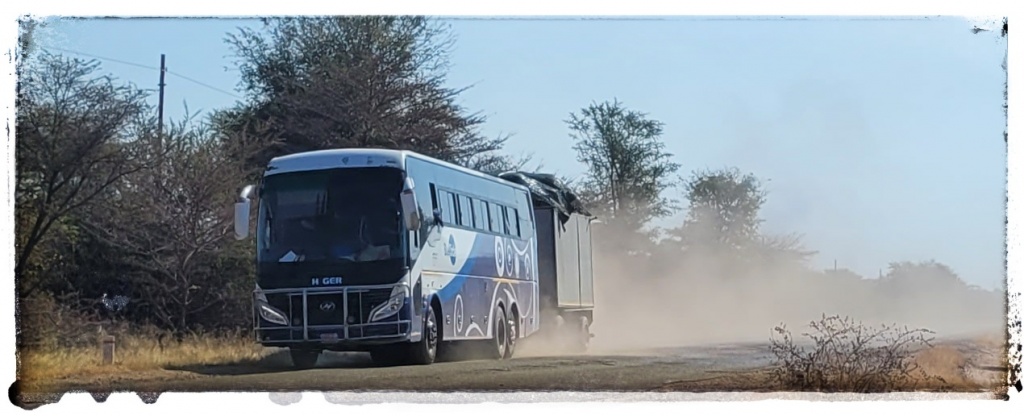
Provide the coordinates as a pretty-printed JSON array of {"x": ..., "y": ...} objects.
[{"x": 564, "y": 259}]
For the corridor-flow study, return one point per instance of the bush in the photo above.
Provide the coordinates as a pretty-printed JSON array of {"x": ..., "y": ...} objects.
[
  {"x": 47, "y": 322},
  {"x": 843, "y": 355}
]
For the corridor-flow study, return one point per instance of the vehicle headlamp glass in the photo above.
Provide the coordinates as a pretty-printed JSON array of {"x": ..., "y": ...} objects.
[
  {"x": 271, "y": 314},
  {"x": 267, "y": 312},
  {"x": 392, "y": 306}
]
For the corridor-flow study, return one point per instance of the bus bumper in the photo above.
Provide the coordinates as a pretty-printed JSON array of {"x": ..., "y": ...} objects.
[{"x": 336, "y": 318}]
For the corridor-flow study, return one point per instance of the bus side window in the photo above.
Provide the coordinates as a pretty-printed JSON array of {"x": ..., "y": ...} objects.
[
  {"x": 481, "y": 215},
  {"x": 453, "y": 208},
  {"x": 465, "y": 211},
  {"x": 525, "y": 226},
  {"x": 473, "y": 203},
  {"x": 495, "y": 218},
  {"x": 433, "y": 197},
  {"x": 433, "y": 208},
  {"x": 447, "y": 199},
  {"x": 515, "y": 225},
  {"x": 504, "y": 216},
  {"x": 525, "y": 223}
]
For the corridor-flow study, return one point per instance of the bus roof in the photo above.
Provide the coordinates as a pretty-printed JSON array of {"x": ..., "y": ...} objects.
[{"x": 365, "y": 157}]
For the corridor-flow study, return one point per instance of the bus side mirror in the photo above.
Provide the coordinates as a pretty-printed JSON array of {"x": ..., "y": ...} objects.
[
  {"x": 242, "y": 214},
  {"x": 410, "y": 208}
]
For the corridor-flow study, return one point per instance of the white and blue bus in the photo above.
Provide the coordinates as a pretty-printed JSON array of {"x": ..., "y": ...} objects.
[{"x": 389, "y": 252}]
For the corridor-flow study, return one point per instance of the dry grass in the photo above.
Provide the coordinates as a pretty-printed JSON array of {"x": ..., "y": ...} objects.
[
  {"x": 58, "y": 342},
  {"x": 847, "y": 356},
  {"x": 978, "y": 364},
  {"x": 135, "y": 354},
  {"x": 948, "y": 367}
]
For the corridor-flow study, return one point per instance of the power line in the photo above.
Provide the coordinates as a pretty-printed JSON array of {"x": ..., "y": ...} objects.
[
  {"x": 197, "y": 82},
  {"x": 202, "y": 83},
  {"x": 105, "y": 59}
]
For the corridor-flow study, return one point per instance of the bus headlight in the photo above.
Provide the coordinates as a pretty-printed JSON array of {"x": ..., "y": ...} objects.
[
  {"x": 267, "y": 312},
  {"x": 271, "y": 314},
  {"x": 392, "y": 306}
]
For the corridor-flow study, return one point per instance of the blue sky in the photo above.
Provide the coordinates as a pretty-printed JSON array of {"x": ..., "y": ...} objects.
[{"x": 879, "y": 140}]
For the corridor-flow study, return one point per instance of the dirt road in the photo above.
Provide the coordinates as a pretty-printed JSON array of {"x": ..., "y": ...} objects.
[
  {"x": 633, "y": 371},
  {"x": 721, "y": 367},
  {"x": 641, "y": 371}
]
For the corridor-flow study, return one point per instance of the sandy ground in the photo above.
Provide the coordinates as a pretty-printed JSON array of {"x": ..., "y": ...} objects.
[{"x": 704, "y": 368}]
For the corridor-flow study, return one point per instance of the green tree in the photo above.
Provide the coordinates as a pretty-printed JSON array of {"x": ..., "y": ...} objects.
[
  {"x": 932, "y": 292},
  {"x": 628, "y": 167},
  {"x": 78, "y": 134},
  {"x": 372, "y": 81},
  {"x": 723, "y": 223},
  {"x": 724, "y": 208},
  {"x": 905, "y": 278}
]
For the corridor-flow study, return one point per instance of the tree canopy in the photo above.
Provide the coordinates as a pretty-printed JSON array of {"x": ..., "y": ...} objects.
[
  {"x": 628, "y": 168},
  {"x": 373, "y": 81}
]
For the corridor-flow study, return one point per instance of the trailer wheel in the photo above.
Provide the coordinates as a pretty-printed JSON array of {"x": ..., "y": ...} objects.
[
  {"x": 304, "y": 359},
  {"x": 575, "y": 334},
  {"x": 583, "y": 336}
]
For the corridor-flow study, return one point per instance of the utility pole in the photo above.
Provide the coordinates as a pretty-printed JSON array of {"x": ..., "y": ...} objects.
[{"x": 160, "y": 107}]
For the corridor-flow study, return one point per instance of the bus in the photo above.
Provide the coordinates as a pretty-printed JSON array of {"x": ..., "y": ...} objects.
[{"x": 389, "y": 252}]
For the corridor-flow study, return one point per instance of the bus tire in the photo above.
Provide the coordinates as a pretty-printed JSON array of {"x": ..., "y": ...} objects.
[
  {"x": 386, "y": 356},
  {"x": 304, "y": 359},
  {"x": 425, "y": 351},
  {"x": 512, "y": 331},
  {"x": 498, "y": 344}
]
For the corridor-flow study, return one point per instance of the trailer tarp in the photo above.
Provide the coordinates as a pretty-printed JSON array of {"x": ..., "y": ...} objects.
[{"x": 549, "y": 191}]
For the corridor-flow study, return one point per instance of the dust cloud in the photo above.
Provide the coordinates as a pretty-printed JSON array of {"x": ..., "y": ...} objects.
[{"x": 678, "y": 299}]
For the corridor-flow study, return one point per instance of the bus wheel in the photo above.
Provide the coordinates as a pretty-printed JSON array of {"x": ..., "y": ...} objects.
[
  {"x": 499, "y": 344},
  {"x": 512, "y": 334},
  {"x": 386, "y": 356},
  {"x": 304, "y": 359},
  {"x": 425, "y": 351}
]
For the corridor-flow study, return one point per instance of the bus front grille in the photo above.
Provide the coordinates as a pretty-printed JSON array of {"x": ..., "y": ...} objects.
[
  {"x": 325, "y": 309},
  {"x": 362, "y": 302}
]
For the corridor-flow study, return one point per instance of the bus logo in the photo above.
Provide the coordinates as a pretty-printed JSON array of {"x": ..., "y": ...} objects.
[
  {"x": 333, "y": 280},
  {"x": 449, "y": 249}
]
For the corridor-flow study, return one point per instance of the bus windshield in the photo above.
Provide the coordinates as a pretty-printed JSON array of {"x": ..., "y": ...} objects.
[{"x": 348, "y": 214}]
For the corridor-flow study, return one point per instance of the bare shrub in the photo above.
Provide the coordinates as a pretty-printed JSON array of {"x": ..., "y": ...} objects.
[{"x": 843, "y": 355}]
